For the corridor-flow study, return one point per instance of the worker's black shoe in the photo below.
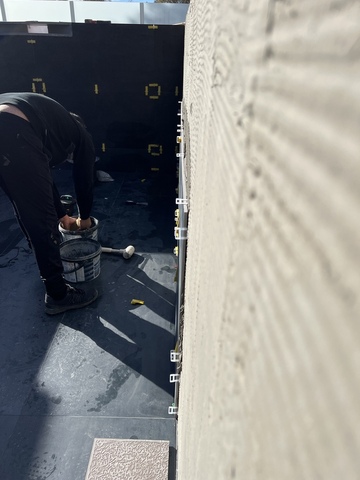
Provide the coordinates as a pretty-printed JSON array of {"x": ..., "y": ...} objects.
[{"x": 74, "y": 298}]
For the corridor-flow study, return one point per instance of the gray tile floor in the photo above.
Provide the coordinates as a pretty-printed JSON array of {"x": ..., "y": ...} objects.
[{"x": 102, "y": 371}]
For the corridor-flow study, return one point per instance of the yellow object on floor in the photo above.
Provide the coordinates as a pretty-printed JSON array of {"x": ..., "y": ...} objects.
[{"x": 135, "y": 301}]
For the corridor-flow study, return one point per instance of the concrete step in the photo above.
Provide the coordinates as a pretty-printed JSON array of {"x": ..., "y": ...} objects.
[{"x": 118, "y": 459}]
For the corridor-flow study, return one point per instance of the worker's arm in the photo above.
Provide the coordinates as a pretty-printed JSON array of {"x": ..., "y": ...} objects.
[
  {"x": 83, "y": 175},
  {"x": 68, "y": 223}
]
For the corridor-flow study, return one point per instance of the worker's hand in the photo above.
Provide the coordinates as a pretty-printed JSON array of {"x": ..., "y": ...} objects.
[
  {"x": 68, "y": 223},
  {"x": 83, "y": 224}
]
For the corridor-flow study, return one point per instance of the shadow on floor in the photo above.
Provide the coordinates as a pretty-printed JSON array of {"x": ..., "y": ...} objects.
[{"x": 99, "y": 372}]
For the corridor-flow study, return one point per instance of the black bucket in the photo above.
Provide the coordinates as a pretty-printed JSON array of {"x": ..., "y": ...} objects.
[
  {"x": 69, "y": 204},
  {"x": 80, "y": 259}
]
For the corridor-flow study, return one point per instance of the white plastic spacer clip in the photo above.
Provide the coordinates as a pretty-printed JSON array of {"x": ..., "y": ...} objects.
[
  {"x": 181, "y": 201},
  {"x": 180, "y": 233},
  {"x": 175, "y": 377},
  {"x": 172, "y": 410},
  {"x": 174, "y": 356}
]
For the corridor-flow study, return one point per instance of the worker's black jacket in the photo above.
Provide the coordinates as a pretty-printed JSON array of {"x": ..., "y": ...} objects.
[{"x": 62, "y": 137}]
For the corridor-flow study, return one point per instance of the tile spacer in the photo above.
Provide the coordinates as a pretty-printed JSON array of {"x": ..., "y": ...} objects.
[
  {"x": 180, "y": 233},
  {"x": 174, "y": 356},
  {"x": 175, "y": 377},
  {"x": 181, "y": 201}
]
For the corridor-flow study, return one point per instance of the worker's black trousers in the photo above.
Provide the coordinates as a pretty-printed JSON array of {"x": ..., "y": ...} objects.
[{"x": 26, "y": 179}]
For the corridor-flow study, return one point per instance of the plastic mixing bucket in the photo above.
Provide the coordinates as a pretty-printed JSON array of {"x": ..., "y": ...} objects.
[
  {"x": 91, "y": 232},
  {"x": 80, "y": 259}
]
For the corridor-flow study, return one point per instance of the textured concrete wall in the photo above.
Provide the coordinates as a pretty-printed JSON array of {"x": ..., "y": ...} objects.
[{"x": 270, "y": 383}]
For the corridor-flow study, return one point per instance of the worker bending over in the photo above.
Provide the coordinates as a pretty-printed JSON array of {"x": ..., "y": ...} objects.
[{"x": 37, "y": 133}]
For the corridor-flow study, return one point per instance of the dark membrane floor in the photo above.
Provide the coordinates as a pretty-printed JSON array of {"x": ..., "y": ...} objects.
[{"x": 98, "y": 372}]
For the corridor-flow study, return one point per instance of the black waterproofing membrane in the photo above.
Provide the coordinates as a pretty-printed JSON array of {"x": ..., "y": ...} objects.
[{"x": 102, "y": 371}]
